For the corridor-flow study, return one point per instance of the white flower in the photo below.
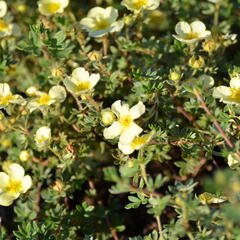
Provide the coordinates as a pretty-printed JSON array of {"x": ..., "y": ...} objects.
[
  {"x": 43, "y": 137},
  {"x": 44, "y": 100},
  {"x": 233, "y": 160},
  {"x": 24, "y": 155},
  {"x": 6, "y": 96},
  {"x": 137, "y": 143},
  {"x": 138, "y": 5},
  {"x": 50, "y": 7},
  {"x": 81, "y": 81},
  {"x": 229, "y": 94},
  {"x": 101, "y": 21},
  {"x": 3, "y": 8},
  {"x": 124, "y": 126},
  {"x": 13, "y": 183},
  {"x": 191, "y": 33}
]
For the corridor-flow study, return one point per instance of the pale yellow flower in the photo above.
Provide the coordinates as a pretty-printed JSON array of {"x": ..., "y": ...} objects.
[
  {"x": 191, "y": 33},
  {"x": 124, "y": 126},
  {"x": 56, "y": 94},
  {"x": 6, "y": 96},
  {"x": 136, "y": 143},
  {"x": 13, "y": 182},
  {"x": 81, "y": 81},
  {"x": 43, "y": 137},
  {"x": 138, "y": 5},
  {"x": 50, "y": 7},
  {"x": 100, "y": 21},
  {"x": 230, "y": 94},
  {"x": 233, "y": 160},
  {"x": 3, "y": 8}
]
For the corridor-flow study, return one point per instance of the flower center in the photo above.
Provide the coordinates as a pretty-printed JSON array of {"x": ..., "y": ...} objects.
[
  {"x": 14, "y": 186},
  {"x": 6, "y": 99},
  {"x": 3, "y": 26},
  {"x": 44, "y": 99},
  {"x": 140, "y": 3},
  {"x": 82, "y": 86},
  {"x": 138, "y": 141},
  {"x": 101, "y": 24},
  {"x": 53, "y": 7},
  {"x": 126, "y": 121},
  {"x": 235, "y": 94},
  {"x": 191, "y": 36}
]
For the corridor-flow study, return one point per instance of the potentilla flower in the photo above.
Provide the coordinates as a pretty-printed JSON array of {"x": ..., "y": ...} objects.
[
  {"x": 137, "y": 143},
  {"x": 138, "y": 5},
  {"x": 6, "y": 96},
  {"x": 43, "y": 137},
  {"x": 13, "y": 182},
  {"x": 191, "y": 33},
  {"x": 100, "y": 21},
  {"x": 124, "y": 126},
  {"x": 3, "y": 8},
  {"x": 81, "y": 81},
  {"x": 233, "y": 160},
  {"x": 50, "y": 7},
  {"x": 56, "y": 94},
  {"x": 230, "y": 94},
  {"x": 107, "y": 117}
]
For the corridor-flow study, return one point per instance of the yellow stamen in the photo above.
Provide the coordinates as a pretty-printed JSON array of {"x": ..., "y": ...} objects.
[
  {"x": 101, "y": 24},
  {"x": 140, "y": 3},
  {"x": 235, "y": 94},
  {"x": 82, "y": 86},
  {"x": 14, "y": 186},
  {"x": 191, "y": 36},
  {"x": 6, "y": 99},
  {"x": 126, "y": 120},
  {"x": 44, "y": 99},
  {"x": 3, "y": 26},
  {"x": 138, "y": 141},
  {"x": 53, "y": 7}
]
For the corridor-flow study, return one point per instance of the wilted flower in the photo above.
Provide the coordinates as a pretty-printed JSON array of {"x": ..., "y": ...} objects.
[
  {"x": 233, "y": 160},
  {"x": 136, "y": 143},
  {"x": 229, "y": 94},
  {"x": 196, "y": 62},
  {"x": 209, "y": 45},
  {"x": 50, "y": 7},
  {"x": 124, "y": 126},
  {"x": 101, "y": 21},
  {"x": 56, "y": 94},
  {"x": 191, "y": 33},
  {"x": 43, "y": 137},
  {"x": 138, "y": 5},
  {"x": 81, "y": 81},
  {"x": 6, "y": 96},
  {"x": 13, "y": 183},
  {"x": 3, "y": 8},
  {"x": 24, "y": 155},
  {"x": 208, "y": 198}
]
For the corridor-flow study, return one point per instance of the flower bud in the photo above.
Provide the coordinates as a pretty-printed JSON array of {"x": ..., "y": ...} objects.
[
  {"x": 209, "y": 46},
  {"x": 196, "y": 62},
  {"x": 57, "y": 72},
  {"x": 108, "y": 117},
  {"x": 174, "y": 76},
  {"x": 43, "y": 137},
  {"x": 24, "y": 155},
  {"x": 58, "y": 186}
]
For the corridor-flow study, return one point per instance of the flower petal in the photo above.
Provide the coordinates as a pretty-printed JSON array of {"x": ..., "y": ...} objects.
[
  {"x": 221, "y": 92},
  {"x": 4, "y": 89},
  {"x": 7, "y": 199},
  {"x": 80, "y": 74},
  {"x": 129, "y": 133},
  {"x": 94, "y": 78},
  {"x": 26, "y": 183},
  {"x": 15, "y": 171},
  {"x": 117, "y": 107},
  {"x": 125, "y": 148},
  {"x": 235, "y": 82},
  {"x": 182, "y": 28},
  {"x": 113, "y": 131},
  {"x": 137, "y": 110},
  {"x": 198, "y": 27},
  {"x": 58, "y": 93},
  {"x": 4, "y": 180}
]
